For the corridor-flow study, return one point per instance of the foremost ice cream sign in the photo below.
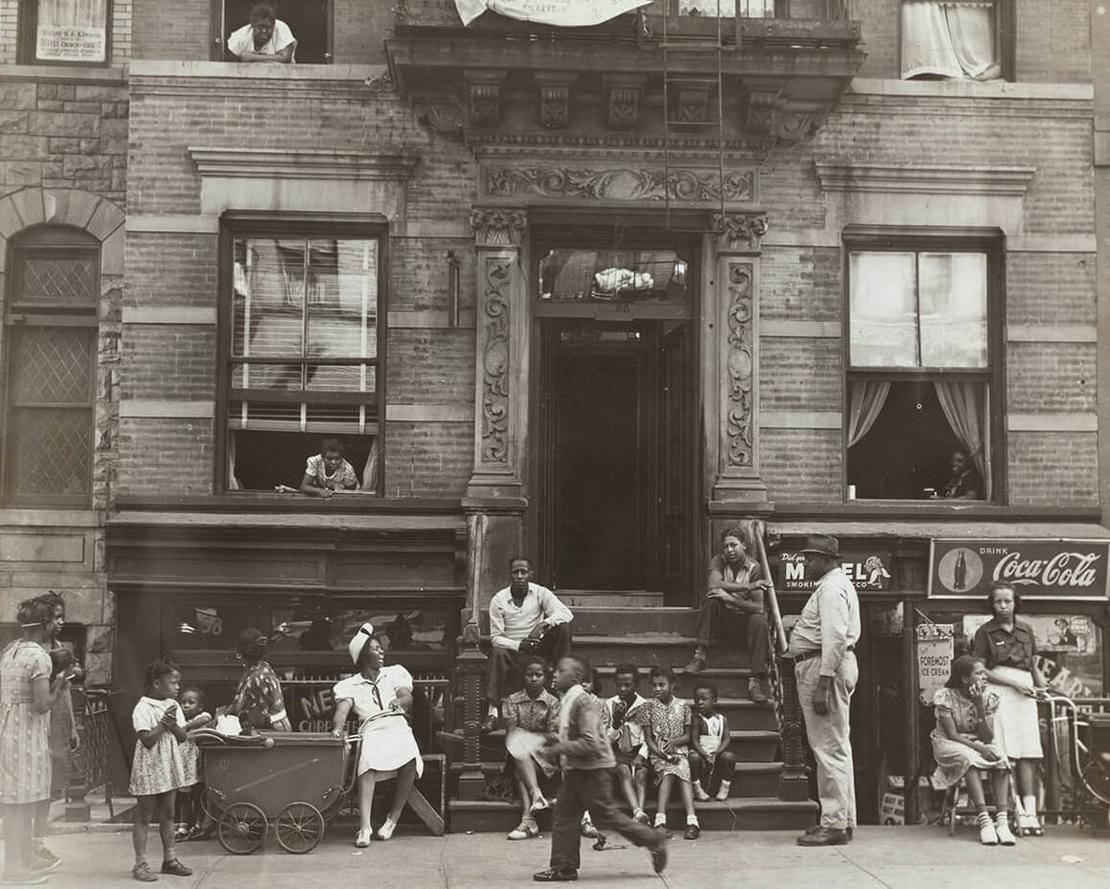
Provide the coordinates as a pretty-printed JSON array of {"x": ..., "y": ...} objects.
[{"x": 1037, "y": 569}]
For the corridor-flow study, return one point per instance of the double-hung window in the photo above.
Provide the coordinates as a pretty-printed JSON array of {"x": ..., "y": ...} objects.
[
  {"x": 50, "y": 337},
  {"x": 303, "y": 319},
  {"x": 923, "y": 368}
]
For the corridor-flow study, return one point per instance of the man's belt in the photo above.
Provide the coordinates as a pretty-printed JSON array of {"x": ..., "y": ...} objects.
[{"x": 807, "y": 655}]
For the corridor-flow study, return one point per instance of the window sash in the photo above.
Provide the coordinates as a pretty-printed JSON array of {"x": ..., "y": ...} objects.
[{"x": 912, "y": 310}]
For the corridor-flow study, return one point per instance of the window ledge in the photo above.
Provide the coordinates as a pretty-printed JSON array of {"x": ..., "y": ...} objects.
[
  {"x": 971, "y": 89},
  {"x": 111, "y": 76},
  {"x": 371, "y": 75},
  {"x": 933, "y": 512}
]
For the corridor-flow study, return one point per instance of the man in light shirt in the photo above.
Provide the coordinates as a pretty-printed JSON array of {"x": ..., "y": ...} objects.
[
  {"x": 822, "y": 647},
  {"x": 524, "y": 619}
]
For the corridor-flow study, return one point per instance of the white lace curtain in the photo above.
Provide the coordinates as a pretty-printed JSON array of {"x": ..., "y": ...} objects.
[{"x": 950, "y": 38}]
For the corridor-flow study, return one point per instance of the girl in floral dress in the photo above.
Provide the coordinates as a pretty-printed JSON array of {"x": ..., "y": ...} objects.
[
  {"x": 27, "y": 694},
  {"x": 666, "y": 723},
  {"x": 158, "y": 769},
  {"x": 962, "y": 745}
]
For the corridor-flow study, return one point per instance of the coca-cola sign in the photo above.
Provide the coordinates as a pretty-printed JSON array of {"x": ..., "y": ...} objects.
[{"x": 1037, "y": 569}]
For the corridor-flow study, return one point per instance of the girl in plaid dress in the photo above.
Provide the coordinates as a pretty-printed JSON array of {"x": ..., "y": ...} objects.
[{"x": 27, "y": 693}]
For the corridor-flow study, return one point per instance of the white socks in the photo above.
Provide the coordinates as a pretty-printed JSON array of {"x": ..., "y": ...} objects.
[
  {"x": 692, "y": 819},
  {"x": 660, "y": 819}
]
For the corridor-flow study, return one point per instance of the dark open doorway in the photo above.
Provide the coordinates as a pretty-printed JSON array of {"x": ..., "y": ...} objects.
[{"x": 618, "y": 421}]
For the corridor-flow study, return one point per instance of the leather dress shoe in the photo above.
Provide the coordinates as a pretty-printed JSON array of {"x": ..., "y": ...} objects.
[
  {"x": 813, "y": 828},
  {"x": 825, "y": 836},
  {"x": 554, "y": 875}
]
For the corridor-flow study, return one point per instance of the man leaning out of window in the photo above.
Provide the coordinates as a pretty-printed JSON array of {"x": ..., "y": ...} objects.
[{"x": 266, "y": 39}]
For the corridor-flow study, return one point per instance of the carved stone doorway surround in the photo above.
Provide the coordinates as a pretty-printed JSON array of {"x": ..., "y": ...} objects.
[{"x": 730, "y": 318}]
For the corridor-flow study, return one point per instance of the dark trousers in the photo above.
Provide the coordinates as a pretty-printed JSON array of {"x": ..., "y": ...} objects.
[
  {"x": 591, "y": 789},
  {"x": 504, "y": 667},
  {"x": 716, "y": 616},
  {"x": 723, "y": 768}
]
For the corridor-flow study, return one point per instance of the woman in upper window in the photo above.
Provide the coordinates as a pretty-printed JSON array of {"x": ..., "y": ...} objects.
[
  {"x": 1008, "y": 648},
  {"x": 266, "y": 39}
]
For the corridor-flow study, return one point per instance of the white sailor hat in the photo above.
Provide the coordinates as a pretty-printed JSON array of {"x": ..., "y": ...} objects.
[{"x": 358, "y": 642}]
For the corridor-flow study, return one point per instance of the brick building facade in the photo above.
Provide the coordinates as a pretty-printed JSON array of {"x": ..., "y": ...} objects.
[{"x": 475, "y": 170}]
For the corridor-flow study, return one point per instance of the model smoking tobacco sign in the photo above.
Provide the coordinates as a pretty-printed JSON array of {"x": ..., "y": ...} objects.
[{"x": 1037, "y": 569}]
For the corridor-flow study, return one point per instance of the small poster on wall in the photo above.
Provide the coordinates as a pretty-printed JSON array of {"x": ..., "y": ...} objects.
[{"x": 935, "y": 649}]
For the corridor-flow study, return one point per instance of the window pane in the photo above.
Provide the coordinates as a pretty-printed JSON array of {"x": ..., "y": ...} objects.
[
  {"x": 53, "y": 365},
  {"x": 883, "y": 312},
  {"x": 49, "y": 450},
  {"x": 953, "y": 294},
  {"x": 268, "y": 313},
  {"x": 342, "y": 378},
  {"x": 56, "y": 280},
  {"x": 72, "y": 30},
  {"x": 613, "y": 275},
  {"x": 342, "y": 311}
]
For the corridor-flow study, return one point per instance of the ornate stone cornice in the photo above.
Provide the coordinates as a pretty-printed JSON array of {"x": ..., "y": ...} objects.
[
  {"x": 485, "y": 97},
  {"x": 1009, "y": 181},
  {"x": 498, "y": 226},
  {"x": 739, "y": 233},
  {"x": 554, "y": 96}
]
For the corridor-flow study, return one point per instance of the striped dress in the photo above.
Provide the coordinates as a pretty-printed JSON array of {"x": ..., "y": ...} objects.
[{"x": 24, "y": 734}]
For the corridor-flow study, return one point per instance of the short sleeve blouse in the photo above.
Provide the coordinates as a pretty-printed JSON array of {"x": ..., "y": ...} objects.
[
  {"x": 369, "y": 696},
  {"x": 1005, "y": 648},
  {"x": 963, "y": 712},
  {"x": 149, "y": 712}
]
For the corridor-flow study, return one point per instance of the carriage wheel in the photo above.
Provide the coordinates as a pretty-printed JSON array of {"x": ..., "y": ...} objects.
[
  {"x": 242, "y": 828},
  {"x": 299, "y": 828}
]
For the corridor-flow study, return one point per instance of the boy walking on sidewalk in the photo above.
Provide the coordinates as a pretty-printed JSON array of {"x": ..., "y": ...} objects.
[{"x": 588, "y": 777}]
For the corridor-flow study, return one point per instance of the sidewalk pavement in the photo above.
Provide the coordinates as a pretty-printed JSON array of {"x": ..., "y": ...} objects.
[{"x": 893, "y": 857}]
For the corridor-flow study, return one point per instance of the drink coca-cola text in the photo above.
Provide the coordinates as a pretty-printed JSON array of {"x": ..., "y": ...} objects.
[{"x": 1066, "y": 569}]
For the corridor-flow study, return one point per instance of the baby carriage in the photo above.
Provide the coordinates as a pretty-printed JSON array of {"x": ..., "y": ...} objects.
[{"x": 297, "y": 782}]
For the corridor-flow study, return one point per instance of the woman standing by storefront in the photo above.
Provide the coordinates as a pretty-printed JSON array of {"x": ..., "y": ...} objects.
[
  {"x": 259, "y": 697},
  {"x": 1008, "y": 648}
]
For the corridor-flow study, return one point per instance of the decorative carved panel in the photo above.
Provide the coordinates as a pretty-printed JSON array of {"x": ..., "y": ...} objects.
[
  {"x": 496, "y": 276},
  {"x": 627, "y": 183},
  {"x": 485, "y": 97},
  {"x": 497, "y": 226},
  {"x": 692, "y": 105},
  {"x": 624, "y": 107},
  {"x": 740, "y": 369},
  {"x": 444, "y": 116},
  {"x": 739, "y": 232}
]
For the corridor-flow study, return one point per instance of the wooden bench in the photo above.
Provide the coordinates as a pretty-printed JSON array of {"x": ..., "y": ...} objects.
[{"x": 419, "y": 804}]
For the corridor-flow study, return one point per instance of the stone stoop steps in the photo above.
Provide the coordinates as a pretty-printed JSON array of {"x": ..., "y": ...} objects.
[{"x": 648, "y": 635}]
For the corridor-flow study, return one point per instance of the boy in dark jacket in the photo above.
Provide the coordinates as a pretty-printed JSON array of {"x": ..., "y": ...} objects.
[{"x": 588, "y": 778}]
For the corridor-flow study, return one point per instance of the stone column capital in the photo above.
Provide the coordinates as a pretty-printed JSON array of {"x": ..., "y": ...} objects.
[
  {"x": 740, "y": 232},
  {"x": 498, "y": 227}
]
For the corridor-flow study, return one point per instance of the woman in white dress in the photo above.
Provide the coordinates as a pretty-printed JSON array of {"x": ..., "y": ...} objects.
[{"x": 382, "y": 699}]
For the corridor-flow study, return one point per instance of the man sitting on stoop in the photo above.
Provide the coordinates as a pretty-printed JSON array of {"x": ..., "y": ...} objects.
[{"x": 735, "y": 600}]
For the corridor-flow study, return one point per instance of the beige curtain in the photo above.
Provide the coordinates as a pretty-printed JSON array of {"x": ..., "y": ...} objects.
[
  {"x": 865, "y": 402},
  {"x": 370, "y": 470},
  {"x": 949, "y": 38},
  {"x": 966, "y": 406}
]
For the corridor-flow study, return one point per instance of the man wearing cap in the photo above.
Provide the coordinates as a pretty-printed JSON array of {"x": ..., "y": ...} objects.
[
  {"x": 524, "y": 618},
  {"x": 822, "y": 647}
]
